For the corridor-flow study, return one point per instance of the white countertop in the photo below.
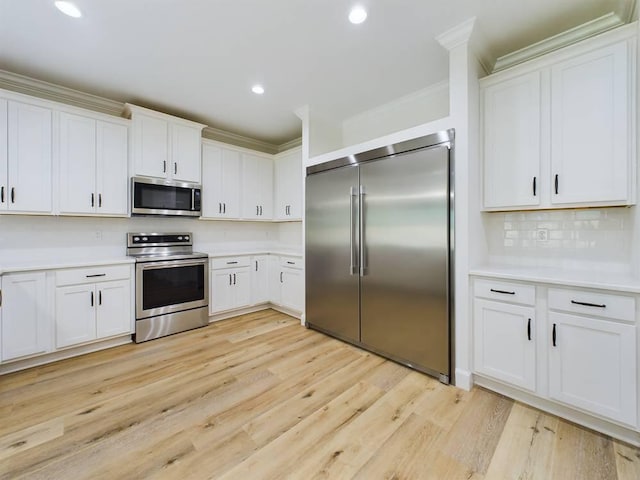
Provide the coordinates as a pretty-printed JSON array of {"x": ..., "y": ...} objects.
[
  {"x": 573, "y": 278},
  {"x": 25, "y": 265}
]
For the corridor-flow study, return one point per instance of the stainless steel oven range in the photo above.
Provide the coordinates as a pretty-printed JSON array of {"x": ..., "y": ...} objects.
[{"x": 172, "y": 284}]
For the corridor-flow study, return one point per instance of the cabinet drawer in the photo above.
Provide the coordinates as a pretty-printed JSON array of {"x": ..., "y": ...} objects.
[
  {"x": 291, "y": 262},
  {"x": 593, "y": 303},
  {"x": 230, "y": 262},
  {"x": 77, "y": 276},
  {"x": 505, "y": 291}
]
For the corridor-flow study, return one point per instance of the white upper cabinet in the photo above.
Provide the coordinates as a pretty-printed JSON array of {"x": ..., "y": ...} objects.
[
  {"x": 25, "y": 157},
  {"x": 512, "y": 142},
  {"x": 558, "y": 131},
  {"x": 590, "y": 106},
  {"x": 93, "y": 166},
  {"x": 288, "y": 186},
  {"x": 164, "y": 146},
  {"x": 257, "y": 187},
  {"x": 221, "y": 182}
]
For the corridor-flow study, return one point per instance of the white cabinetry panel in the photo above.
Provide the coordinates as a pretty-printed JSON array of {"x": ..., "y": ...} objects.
[
  {"x": 75, "y": 315},
  {"x": 221, "y": 182},
  {"x": 257, "y": 187},
  {"x": 77, "y": 164}
]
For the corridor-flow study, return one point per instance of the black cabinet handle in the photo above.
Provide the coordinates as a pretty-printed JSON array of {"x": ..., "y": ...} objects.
[
  {"x": 99, "y": 297},
  {"x": 534, "y": 186},
  {"x": 503, "y": 291},
  {"x": 230, "y": 280},
  {"x": 529, "y": 329},
  {"x": 2, "y": 194},
  {"x": 93, "y": 203},
  {"x": 232, "y": 263},
  {"x": 13, "y": 194},
  {"x": 96, "y": 275},
  {"x": 234, "y": 278},
  {"x": 257, "y": 210},
  {"x": 291, "y": 263},
  {"x": 256, "y": 265},
  {"x": 164, "y": 166},
  {"x": 260, "y": 210},
  {"x": 99, "y": 200},
  {"x": 556, "y": 183},
  {"x": 175, "y": 167},
  {"x": 281, "y": 277},
  {"x": 92, "y": 299},
  {"x": 587, "y": 304},
  {"x": 224, "y": 208},
  {"x": 553, "y": 335}
]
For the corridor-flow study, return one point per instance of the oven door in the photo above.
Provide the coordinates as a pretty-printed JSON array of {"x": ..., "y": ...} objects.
[{"x": 171, "y": 286}]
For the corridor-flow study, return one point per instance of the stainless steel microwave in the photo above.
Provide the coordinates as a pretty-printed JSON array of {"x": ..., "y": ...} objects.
[{"x": 155, "y": 196}]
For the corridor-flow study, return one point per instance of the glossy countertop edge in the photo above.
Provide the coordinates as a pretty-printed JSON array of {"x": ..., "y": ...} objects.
[
  {"x": 32, "y": 265},
  {"x": 619, "y": 282},
  {"x": 243, "y": 253}
]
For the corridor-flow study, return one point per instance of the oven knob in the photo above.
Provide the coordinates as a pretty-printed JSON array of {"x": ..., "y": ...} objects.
[
  {"x": 187, "y": 238},
  {"x": 179, "y": 238},
  {"x": 136, "y": 239},
  {"x": 144, "y": 239}
]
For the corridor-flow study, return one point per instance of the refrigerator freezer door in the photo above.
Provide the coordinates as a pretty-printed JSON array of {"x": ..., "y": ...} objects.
[
  {"x": 332, "y": 281},
  {"x": 405, "y": 235}
]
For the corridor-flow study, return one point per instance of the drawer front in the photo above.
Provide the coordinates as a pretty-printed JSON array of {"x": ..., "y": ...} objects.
[
  {"x": 291, "y": 262},
  {"x": 230, "y": 262},
  {"x": 505, "y": 291},
  {"x": 601, "y": 304},
  {"x": 78, "y": 276}
]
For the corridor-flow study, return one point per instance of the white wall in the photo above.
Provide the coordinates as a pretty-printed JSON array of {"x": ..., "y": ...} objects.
[{"x": 40, "y": 237}]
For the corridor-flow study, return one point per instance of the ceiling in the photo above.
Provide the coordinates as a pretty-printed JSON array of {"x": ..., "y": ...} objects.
[{"x": 199, "y": 58}]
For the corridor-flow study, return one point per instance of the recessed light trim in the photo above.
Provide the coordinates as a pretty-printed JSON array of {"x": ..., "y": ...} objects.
[
  {"x": 357, "y": 15},
  {"x": 68, "y": 8},
  {"x": 257, "y": 89}
]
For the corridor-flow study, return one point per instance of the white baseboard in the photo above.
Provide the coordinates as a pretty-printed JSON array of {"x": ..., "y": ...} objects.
[{"x": 464, "y": 379}]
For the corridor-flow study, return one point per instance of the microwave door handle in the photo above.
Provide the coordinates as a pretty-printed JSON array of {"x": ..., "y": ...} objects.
[{"x": 193, "y": 199}]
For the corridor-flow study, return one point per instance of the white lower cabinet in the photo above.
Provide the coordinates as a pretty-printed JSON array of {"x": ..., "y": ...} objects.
[
  {"x": 230, "y": 284},
  {"x": 586, "y": 356},
  {"x": 287, "y": 277},
  {"x": 259, "y": 279},
  {"x": 504, "y": 342},
  {"x": 25, "y": 319},
  {"x": 89, "y": 310}
]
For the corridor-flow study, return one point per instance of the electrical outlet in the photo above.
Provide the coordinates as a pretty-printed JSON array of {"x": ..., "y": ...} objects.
[
  {"x": 542, "y": 234},
  {"x": 98, "y": 234}
]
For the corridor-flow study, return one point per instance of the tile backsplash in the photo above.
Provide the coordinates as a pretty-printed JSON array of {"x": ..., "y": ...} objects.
[{"x": 563, "y": 238}]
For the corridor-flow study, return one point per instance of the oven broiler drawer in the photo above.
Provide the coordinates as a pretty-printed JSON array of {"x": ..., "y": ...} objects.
[{"x": 79, "y": 276}]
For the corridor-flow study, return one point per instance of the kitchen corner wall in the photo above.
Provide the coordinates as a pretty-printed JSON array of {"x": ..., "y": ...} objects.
[
  {"x": 51, "y": 237},
  {"x": 577, "y": 239}
]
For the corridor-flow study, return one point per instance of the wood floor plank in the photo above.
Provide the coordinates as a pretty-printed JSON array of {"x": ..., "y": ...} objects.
[{"x": 259, "y": 397}]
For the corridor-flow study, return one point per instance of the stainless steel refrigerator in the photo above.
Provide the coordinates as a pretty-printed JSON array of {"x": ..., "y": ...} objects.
[{"x": 378, "y": 246}]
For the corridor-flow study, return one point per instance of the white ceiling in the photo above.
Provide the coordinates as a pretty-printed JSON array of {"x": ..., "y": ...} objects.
[{"x": 199, "y": 58}]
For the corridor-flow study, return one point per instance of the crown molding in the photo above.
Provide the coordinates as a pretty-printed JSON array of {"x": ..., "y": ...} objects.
[
  {"x": 239, "y": 140},
  {"x": 295, "y": 143},
  {"x": 564, "y": 39},
  {"x": 458, "y": 35},
  {"x": 56, "y": 93}
]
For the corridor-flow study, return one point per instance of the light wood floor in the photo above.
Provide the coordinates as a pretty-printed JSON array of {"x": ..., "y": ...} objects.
[{"x": 259, "y": 397}]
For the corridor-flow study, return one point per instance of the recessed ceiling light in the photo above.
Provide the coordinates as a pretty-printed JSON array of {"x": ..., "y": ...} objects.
[
  {"x": 257, "y": 89},
  {"x": 357, "y": 14},
  {"x": 68, "y": 8}
]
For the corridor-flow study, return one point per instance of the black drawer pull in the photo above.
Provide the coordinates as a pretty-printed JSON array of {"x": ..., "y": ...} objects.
[
  {"x": 529, "y": 329},
  {"x": 96, "y": 275},
  {"x": 291, "y": 263},
  {"x": 587, "y": 304},
  {"x": 534, "y": 186},
  {"x": 2, "y": 194},
  {"x": 503, "y": 291},
  {"x": 553, "y": 335},
  {"x": 556, "y": 183},
  {"x": 231, "y": 263}
]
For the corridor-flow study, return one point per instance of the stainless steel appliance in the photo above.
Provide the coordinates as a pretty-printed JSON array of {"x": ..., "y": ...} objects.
[
  {"x": 172, "y": 284},
  {"x": 155, "y": 196},
  {"x": 379, "y": 243}
]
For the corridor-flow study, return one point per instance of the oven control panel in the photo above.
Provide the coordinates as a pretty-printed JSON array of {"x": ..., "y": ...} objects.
[{"x": 158, "y": 239}]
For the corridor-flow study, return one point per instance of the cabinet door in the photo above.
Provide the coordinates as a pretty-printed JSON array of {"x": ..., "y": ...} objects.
[
  {"x": 288, "y": 187},
  {"x": 113, "y": 313},
  {"x": 590, "y": 148},
  {"x": 275, "y": 280},
  {"x": 292, "y": 289},
  {"x": 265, "y": 182},
  {"x": 75, "y": 315},
  {"x": 231, "y": 183},
  {"x": 221, "y": 296},
  {"x": 504, "y": 342},
  {"x": 212, "y": 195},
  {"x": 241, "y": 287},
  {"x": 185, "y": 153},
  {"x": 77, "y": 164},
  {"x": 25, "y": 323},
  {"x": 250, "y": 186},
  {"x": 4, "y": 156},
  {"x": 512, "y": 142},
  {"x": 30, "y": 157},
  {"x": 259, "y": 279},
  {"x": 151, "y": 146},
  {"x": 592, "y": 365},
  {"x": 112, "y": 176}
]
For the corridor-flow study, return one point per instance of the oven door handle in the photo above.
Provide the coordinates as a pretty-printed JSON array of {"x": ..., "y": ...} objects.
[{"x": 172, "y": 263}]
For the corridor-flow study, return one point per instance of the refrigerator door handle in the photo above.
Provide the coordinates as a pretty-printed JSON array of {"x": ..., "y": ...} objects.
[
  {"x": 353, "y": 268},
  {"x": 363, "y": 265}
]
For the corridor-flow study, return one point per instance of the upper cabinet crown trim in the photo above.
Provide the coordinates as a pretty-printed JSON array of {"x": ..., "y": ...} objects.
[{"x": 131, "y": 109}]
